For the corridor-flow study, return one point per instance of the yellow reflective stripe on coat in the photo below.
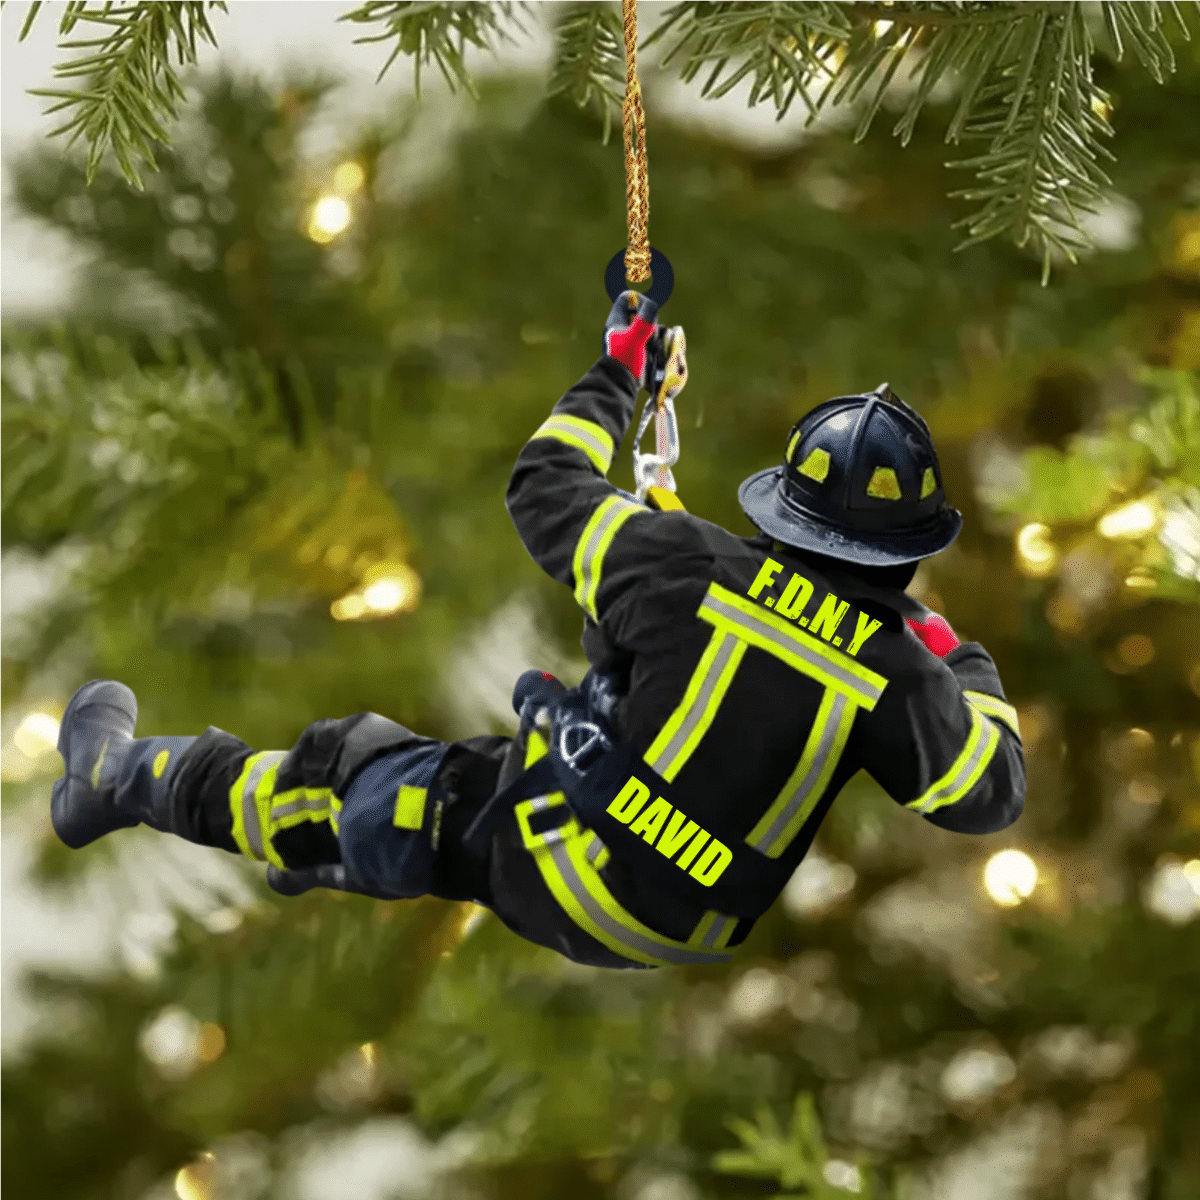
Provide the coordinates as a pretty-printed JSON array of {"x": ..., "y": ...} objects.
[
  {"x": 994, "y": 707},
  {"x": 410, "y": 807},
  {"x": 778, "y": 826},
  {"x": 706, "y": 689},
  {"x": 801, "y": 651},
  {"x": 593, "y": 544},
  {"x": 298, "y": 805},
  {"x": 967, "y": 770},
  {"x": 583, "y": 435},
  {"x": 250, "y": 805},
  {"x": 562, "y": 858}
]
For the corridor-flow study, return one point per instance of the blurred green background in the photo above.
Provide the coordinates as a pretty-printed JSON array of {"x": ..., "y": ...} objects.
[{"x": 262, "y": 454}]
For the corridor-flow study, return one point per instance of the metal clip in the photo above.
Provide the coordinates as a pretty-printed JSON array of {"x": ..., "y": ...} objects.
[
  {"x": 595, "y": 744},
  {"x": 654, "y": 470}
]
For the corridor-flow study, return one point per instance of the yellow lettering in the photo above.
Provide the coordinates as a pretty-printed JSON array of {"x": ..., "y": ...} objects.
[
  {"x": 629, "y": 800},
  {"x": 712, "y": 863},
  {"x": 866, "y": 626},
  {"x": 791, "y": 603},
  {"x": 828, "y": 617},
  {"x": 673, "y": 837},
  {"x": 685, "y": 859},
  {"x": 765, "y": 577},
  {"x": 651, "y": 820}
]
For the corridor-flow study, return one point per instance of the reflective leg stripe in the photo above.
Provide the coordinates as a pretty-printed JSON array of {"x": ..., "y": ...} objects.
[
  {"x": 967, "y": 770},
  {"x": 779, "y": 825},
  {"x": 562, "y": 858},
  {"x": 583, "y": 435},
  {"x": 714, "y": 931},
  {"x": 611, "y": 513},
  {"x": 250, "y": 805},
  {"x": 994, "y": 707},
  {"x": 753, "y": 624},
  {"x": 300, "y": 804},
  {"x": 685, "y": 727},
  {"x": 410, "y": 807}
]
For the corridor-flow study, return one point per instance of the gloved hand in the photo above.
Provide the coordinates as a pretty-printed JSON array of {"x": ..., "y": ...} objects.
[
  {"x": 934, "y": 633},
  {"x": 629, "y": 328}
]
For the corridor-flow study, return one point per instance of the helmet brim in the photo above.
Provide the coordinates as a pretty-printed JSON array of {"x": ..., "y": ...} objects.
[{"x": 761, "y": 501}]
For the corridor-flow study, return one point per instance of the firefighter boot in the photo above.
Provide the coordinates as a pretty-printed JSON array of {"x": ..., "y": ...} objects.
[{"x": 112, "y": 780}]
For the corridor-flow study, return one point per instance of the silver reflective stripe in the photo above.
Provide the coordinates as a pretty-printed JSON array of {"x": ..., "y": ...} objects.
[
  {"x": 662, "y": 759},
  {"x": 966, "y": 772},
  {"x": 815, "y": 656},
  {"x": 719, "y": 933},
  {"x": 825, "y": 744},
  {"x": 584, "y": 435},
  {"x": 595, "y": 848},
  {"x": 253, "y": 827},
  {"x": 304, "y": 804},
  {"x": 593, "y": 544},
  {"x": 994, "y": 707},
  {"x": 671, "y": 952}
]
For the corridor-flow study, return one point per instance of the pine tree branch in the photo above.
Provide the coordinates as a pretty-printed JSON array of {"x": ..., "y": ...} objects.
[
  {"x": 589, "y": 59},
  {"x": 438, "y": 33},
  {"x": 131, "y": 90},
  {"x": 1023, "y": 72}
]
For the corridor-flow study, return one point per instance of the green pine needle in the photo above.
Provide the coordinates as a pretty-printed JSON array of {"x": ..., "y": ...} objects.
[
  {"x": 1022, "y": 72},
  {"x": 589, "y": 59},
  {"x": 438, "y": 33},
  {"x": 131, "y": 90}
]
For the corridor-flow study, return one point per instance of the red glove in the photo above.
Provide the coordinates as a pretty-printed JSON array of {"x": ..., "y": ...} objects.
[
  {"x": 629, "y": 327},
  {"x": 934, "y": 633}
]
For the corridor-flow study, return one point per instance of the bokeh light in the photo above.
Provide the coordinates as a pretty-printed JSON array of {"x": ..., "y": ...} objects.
[
  {"x": 1010, "y": 877},
  {"x": 348, "y": 178},
  {"x": 1132, "y": 520},
  {"x": 195, "y": 1181},
  {"x": 1036, "y": 555},
  {"x": 331, "y": 215},
  {"x": 1135, "y": 650},
  {"x": 388, "y": 588},
  {"x": 36, "y": 735}
]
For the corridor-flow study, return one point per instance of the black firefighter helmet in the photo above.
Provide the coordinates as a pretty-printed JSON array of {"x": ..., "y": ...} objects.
[{"x": 860, "y": 481}]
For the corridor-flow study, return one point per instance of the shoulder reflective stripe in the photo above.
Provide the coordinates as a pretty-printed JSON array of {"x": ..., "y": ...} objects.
[
  {"x": 705, "y": 691},
  {"x": 410, "y": 807},
  {"x": 780, "y": 824},
  {"x": 535, "y": 748},
  {"x": 994, "y": 707},
  {"x": 800, "y": 650},
  {"x": 583, "y": 435},
  {"x": 967, "y": 769},
  {"x": 299, "y": 805},
  {"x": 714, "y": 931},
  {"x": 251, "y": 815},
  {"x": 561, "y": 856},
  {"x": 597, "y": 536}
]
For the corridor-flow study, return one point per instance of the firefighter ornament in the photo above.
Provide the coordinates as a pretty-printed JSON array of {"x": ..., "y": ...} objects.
[{"x": 651, "y": 814}]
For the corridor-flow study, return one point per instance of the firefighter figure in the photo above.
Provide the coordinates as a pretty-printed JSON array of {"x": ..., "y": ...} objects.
[{"x": 650, "y": 815}]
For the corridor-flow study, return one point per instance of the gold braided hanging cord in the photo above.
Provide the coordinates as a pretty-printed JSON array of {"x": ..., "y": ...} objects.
[{"x": 637, "y": 180}]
